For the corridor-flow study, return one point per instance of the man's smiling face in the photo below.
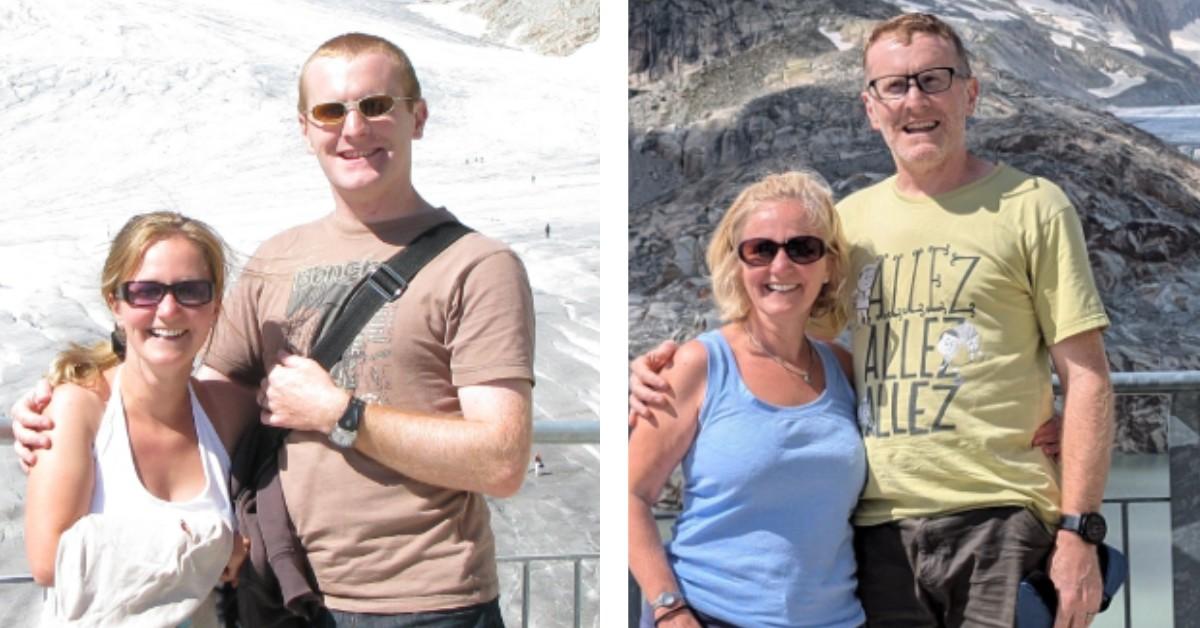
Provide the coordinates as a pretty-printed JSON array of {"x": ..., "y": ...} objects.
[
  {"x": 361, "y": 156},
  {"x": 923, "y": 131}
]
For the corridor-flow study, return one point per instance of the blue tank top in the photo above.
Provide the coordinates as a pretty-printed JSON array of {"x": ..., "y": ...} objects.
[{"x": 764, "y": 538}]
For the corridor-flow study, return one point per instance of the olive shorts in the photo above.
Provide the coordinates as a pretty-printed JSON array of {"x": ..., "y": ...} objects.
[{"x": 961, "y": 569}]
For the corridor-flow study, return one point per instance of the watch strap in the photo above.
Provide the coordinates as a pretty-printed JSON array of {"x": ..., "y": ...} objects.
[
  {"x": 1084, "y": 525},
  {"x": 682, "y": 606},
  {"x": 352, "y": 416}
]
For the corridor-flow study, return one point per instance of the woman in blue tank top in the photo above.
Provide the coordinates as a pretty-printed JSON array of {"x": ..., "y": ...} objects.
[{"x": 762, "y": 419}]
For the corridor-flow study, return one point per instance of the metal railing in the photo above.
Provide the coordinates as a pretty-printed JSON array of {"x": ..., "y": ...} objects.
[
  {"x": 548, "y": 432},
  {"x": 577, "y": 587},
  {"x": 566, "y": 432},
  {"x": 1167, "y": 383},
  {"x": 1127, "y": 588},
  {"x": 558, "y": 432}
]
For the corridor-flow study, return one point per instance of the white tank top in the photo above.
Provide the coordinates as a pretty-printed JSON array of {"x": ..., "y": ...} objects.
[{"x": 118, "y": 488}]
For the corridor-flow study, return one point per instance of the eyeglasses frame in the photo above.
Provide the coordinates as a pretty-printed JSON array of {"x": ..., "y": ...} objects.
[{"x": 911, "y": 79}]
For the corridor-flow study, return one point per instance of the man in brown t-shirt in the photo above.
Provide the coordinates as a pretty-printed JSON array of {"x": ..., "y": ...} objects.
[
  {"x": 396, "y": 522},
  {"x": 393, "y": 521}
]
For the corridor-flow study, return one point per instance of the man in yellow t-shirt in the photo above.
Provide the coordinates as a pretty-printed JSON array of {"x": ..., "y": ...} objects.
[{"x": 971, "y": 278}]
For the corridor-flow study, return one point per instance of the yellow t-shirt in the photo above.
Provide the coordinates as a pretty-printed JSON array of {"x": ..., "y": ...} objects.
[{"x": 957, "y": 299}]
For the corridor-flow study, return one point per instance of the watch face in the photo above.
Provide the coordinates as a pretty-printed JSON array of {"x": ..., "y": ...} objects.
[
  {"x": 1094, "y": 528},
  {"x": 341, "y": 437},
  {"x": 667, "y": 598}
]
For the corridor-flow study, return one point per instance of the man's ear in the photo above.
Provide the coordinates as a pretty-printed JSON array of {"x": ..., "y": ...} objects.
[
  {"x": 303, "y": 120},
  {"x": 869, "y": 104},
  {"x": 972, "y": 95},
  {"x": 420, "y": 115}
]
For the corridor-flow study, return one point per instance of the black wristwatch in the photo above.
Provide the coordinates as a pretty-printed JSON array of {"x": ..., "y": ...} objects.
[
  {"x": 346, "y": 430},
  {"x": 1090, "y": 526}
]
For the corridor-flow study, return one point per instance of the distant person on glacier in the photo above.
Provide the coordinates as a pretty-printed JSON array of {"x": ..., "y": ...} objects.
[
  {"x": 970, "y": 278},
  {"x": 389, "y": 457}
]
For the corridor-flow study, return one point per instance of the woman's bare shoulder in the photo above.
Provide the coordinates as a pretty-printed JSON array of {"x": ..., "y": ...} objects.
[
  {"x": 75, "y": 408},
  {"x": 690, "y": 360}
]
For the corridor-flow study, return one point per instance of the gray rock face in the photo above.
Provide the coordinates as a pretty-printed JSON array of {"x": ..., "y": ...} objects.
[{"x": 709, "y": 116}]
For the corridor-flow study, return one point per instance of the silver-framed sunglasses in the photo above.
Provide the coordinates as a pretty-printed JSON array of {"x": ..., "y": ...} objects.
[{"x": 373, "y": 106}]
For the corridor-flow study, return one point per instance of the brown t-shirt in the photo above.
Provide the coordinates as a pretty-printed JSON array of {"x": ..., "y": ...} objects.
[{"x": 379, "y": 541}]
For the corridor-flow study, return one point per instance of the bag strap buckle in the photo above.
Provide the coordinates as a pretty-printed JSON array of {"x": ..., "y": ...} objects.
[{"x": 387, "y": 282}]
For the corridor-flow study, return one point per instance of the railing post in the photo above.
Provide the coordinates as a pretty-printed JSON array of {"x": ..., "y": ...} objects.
[
  {"x": 578, "y": 593},
  {"x": 1183, "y": 445},
  {"x": 1127, "y": 590},
  {"x": 525, "y": 594}
]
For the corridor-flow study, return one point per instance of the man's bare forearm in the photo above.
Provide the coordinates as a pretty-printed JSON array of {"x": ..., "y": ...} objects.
[
  {"x": 488, "y": 452},
  {"x": 1087, "y": 422}
]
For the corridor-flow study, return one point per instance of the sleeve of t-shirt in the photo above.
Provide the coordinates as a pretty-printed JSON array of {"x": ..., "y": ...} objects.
[
  {"x": 1064, "y": 292},
  {"x": 491, "y": 335},
  {"x": 236, "y": 347}
]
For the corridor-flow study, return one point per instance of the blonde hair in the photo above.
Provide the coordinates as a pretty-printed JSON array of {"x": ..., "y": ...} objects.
[
  {"x": 352, "y": 45},
  {"x": 82, "y": 364},
  {"x": 831, "y": 310},
  {"x": 904, "y": 26}
]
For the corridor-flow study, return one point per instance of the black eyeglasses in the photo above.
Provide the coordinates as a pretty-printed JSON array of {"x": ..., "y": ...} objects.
[
  {"x": 192, "y": 293},
  {"x": 895, "y": 86},
  {"x": 800, "y": 249},
  {"x": 370, "y": 106}
]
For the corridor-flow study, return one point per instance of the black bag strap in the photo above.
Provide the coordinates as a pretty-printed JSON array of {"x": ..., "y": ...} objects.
[{"x": 386, "y": 284}]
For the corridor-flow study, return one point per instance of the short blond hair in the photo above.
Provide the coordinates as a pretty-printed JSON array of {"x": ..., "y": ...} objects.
[
  {"x": 351, "y": 45},
  {"x": 831, "y": 310},
  {"x": 904, "y": 26}
]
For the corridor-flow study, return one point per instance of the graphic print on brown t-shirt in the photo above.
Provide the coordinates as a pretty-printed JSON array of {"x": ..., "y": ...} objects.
[{"x": 317, "y": 295}]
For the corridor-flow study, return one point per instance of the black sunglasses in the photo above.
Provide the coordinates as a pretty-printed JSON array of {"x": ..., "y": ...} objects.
[
  {"x": 803, "y": 249},
  {"x": 369, "y": 106},
  {"x": 192, "y": 293}
]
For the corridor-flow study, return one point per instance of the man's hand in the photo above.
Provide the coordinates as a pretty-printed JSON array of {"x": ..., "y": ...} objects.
[
  {"x": 1048, "y": 437},
  {"x": 30, "y": 428},
  {"x": 241, "y": 548},
  {"x": 645, "y": 384},
  {"x": 1075, "y": 571},
  {"x": 298, "y": 394}
]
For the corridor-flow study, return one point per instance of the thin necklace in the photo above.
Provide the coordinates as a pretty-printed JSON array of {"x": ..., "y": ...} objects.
[{"x": 787, "y": 366}]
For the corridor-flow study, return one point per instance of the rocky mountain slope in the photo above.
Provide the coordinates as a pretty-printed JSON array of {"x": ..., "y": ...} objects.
[
  {"x": 722, "y": 92},
  {"x": 553, "y": 27}
]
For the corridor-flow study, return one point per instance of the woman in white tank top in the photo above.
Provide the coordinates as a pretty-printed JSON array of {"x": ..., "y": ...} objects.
[{"x": 135, "y": 454}]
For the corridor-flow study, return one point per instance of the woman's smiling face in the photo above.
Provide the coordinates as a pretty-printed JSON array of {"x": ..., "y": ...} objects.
[
  {"x": 167, "y": 334},
  {"x": 782, "y": 286}
]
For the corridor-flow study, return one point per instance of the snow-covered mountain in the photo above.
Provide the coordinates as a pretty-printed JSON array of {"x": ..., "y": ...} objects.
[{"x": 1120, "y": 52}]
